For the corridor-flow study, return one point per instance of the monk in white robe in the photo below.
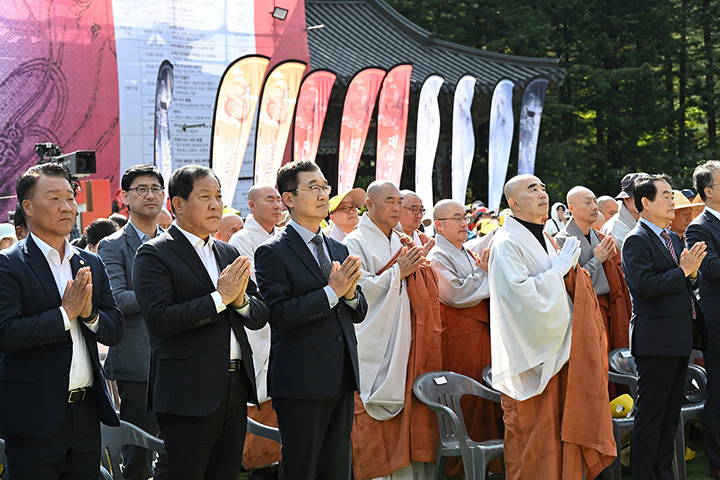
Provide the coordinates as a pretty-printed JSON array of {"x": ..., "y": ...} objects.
[
  {"x": 394, "y": 435},
  {"x": 556, "y": 416},
  {"x": 465, "y": 312},
  {"x": 266, "y": 206},
  {"x": 411, "y": 217}
]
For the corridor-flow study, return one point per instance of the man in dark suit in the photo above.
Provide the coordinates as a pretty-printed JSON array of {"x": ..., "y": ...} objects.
[
  {"x": 128, "y": 363},
  {"x": 55, "y": 305},
  {"x": 661, "y": 277},
  {"x": 314, "y": 302},
  {"x": 196, "y": 296},
  {"x": 706, "y": 228}
]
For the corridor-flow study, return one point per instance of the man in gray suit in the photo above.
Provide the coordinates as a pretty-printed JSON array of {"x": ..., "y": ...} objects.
[{"x": 128, "y": 363}]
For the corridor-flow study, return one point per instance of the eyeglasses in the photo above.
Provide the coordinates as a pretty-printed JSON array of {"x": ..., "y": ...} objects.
[
  {"x": 315, "y": 189},
  {"x": 416, "y": 210},
  {"x": 457, "y": 219},
  {"x": 142, "y": 191},
  {"x": 345, "y": 209}
]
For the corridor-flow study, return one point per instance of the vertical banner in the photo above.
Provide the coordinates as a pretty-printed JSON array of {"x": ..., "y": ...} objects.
[
  {"x": 163, "y": 96},
  {"x": 310, "y": 113},
  {"x": 426, "y": 139},
  {"x": 463, "y": 137},
  {"x": 234, "y": 112},
  {"x": 530, "y": 115},
  {"x": 501, "y": 133},
  {"x": 392, "y": 123},
  {"x": 277, "y": 106},
  {"x": 357, "y": 112}
]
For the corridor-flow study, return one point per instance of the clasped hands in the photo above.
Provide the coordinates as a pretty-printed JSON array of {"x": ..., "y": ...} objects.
[
  {"x": 690, "y": 260},
  {"x": 344, "y": 278},
  {"x": 77, "y": 298},
  {"x": 233, "y": 282}
]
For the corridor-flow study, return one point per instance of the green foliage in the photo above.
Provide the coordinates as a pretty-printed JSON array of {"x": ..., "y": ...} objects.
[{"x": 640, "y": 94}]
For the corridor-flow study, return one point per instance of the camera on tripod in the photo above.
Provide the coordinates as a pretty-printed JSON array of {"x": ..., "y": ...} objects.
[{"x": 80, "y": 163}]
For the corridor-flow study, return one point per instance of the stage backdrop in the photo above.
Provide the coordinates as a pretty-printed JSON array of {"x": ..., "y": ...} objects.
[{"x": 83, "y": 75}]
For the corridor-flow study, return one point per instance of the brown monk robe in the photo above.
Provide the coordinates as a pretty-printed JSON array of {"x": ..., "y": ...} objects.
[
  {"x": 576, "y": 434},
  {"x": 258, "y": 451},
  {"x": 466, "y": 350},
  {"x": 381, "y": 448},
  {"x": 616, "y": 307}
]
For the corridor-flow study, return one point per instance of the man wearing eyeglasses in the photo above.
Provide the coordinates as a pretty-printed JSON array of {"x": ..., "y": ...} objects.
[
  {"x": 411, "y": 215},
  {"x": 310, "y": 284},
  {"x": 344, "y": 213},
  {"x": 465, "y": 312},
  {"x": 128, "y": 363},
  {"x": 398, "y": 340}
]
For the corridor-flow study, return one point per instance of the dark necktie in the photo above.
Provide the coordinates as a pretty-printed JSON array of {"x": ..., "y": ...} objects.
[
  {"x": 325, "y": 264},
  {"x": 669, "y": 245}
]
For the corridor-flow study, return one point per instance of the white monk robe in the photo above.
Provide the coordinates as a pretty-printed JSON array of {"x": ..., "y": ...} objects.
[
  {"x": 530, "y": 313},
  {"x": 384, "y": 337},
  {"x": 247, "y": 241}
]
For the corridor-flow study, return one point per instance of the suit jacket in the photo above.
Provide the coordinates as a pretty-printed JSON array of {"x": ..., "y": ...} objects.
[
  {"x": 36, "y": 350},
  {"x": 308, "y": 338},
  {"x": 130, "y": 359},
  {"x": 661, "y": 322},
  {"x": 190, "y": 341},
  {"x": 706, "y": 228}
]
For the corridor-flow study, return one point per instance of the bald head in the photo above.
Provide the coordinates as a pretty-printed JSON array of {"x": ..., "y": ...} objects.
[
  {"x": 380, "y": 189},
  {"x": 229, "y": 224},
  {"x": 384, "y": 203},
  {"x": 578, "y": 194},
  {"x": 257, "y": 192},
  {"x": 608, "y": 206},
  {"x": 412, "y": 211},
  {"x": 266, "y": 205},
  {"x": 527, "y": 198},
  {"x": 443, "y": 207}
]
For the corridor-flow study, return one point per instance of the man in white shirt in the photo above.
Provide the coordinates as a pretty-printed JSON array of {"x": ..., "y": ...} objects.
[
  {"x": 55, "y": 305},
  {"x": 196, "y": 296},
  {"x": 266, "y": 212}
]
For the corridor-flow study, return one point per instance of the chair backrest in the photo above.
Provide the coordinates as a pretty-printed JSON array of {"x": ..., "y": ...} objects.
[
  {"x": 487, "y": 376},
  {"x": 441, "y": 392},
  {"x": 620, "y": 361},
  {"x": 695, "y": 385},
  {"x": 114, "y": 438}
]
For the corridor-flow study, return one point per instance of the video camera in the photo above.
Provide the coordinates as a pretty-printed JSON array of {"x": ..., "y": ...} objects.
[{"x": 80, "y": 163}]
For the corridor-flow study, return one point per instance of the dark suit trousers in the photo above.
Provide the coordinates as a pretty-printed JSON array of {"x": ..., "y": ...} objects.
[
  {"x": 210, "y": 447},
  {"x": 661, "y": 388},
  {"x": 315, "y": 433},
  {"x": 711, "y": 412},
  {"x": 72, "y": 453},
  {"x": 137, "y": 461}
]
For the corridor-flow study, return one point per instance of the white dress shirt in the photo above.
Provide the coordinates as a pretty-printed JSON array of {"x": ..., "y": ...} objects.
[
  {"x": 207, "y": 256},
  {"x": 81, "y": 373}
]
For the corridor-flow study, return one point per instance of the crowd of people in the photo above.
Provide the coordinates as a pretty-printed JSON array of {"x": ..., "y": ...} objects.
[{"x": 315, "y": 313}]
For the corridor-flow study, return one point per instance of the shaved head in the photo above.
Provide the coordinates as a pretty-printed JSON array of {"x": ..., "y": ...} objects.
[
  {"x": 380, "y": 189},
  {"x": 527, "y": 198},
  {"x": 444, "y": 206},
  {"x": 605, "y": 201},
  {"x": 257, "y": 192},
  {"x": 516, "y": 184},
  {"x": 578, "y": 194}
]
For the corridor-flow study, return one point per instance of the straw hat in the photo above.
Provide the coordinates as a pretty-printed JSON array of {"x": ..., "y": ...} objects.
[{"x": 681, "y": 201}]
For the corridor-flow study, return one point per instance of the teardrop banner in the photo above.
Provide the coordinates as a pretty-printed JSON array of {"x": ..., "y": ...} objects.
[
  {"x": 310, "y": 113},
  {"x": 392, "y": 123}
]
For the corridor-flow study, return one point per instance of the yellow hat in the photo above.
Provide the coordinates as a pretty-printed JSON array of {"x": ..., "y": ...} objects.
[
  {"x": 227, "y": 209},
  {"x": 621, "y": 406},
  {"x": 487, "y": 225},
  {"x": 357, "y": 196}
]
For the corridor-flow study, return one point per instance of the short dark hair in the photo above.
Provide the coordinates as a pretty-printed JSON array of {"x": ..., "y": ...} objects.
[
  {"x": 140, "y": 170},
  {"x": 703, "y": 176},
  {"x": 645, "y": 188},
  {"x": 19, "y": 219},
  {"x": 183, "y": 179},
  {"x": 287, "y": 176},
  {"x": 99, "y": 229},
  {"x": 118, "y": 218},
  {"x": 26, "y": 182}
]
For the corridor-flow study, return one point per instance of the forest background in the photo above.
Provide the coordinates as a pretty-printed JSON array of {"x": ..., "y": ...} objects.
[{"x": 640, "y": 91}]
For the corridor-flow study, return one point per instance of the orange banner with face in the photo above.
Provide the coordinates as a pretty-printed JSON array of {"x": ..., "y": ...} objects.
[
  {"x": 310, "y": 113},
  {"x": 357, "y": 112},
  {"x": 392, "y": 124}
]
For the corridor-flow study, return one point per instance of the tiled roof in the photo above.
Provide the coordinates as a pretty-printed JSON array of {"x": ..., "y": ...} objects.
[{"x": 369, "y": 33}]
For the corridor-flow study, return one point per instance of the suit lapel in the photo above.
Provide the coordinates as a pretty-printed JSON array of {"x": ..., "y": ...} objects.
[
  {"x": 659, "y": 244},
  {"x": 336, "y": 253},
  {"x": 132, "y": 239},
  {"x": 297, "y": 245},
  {"x": 180, "y": 244},
  {"x": 714, "y": 223},
  {"x": 38, "y": 264}
]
